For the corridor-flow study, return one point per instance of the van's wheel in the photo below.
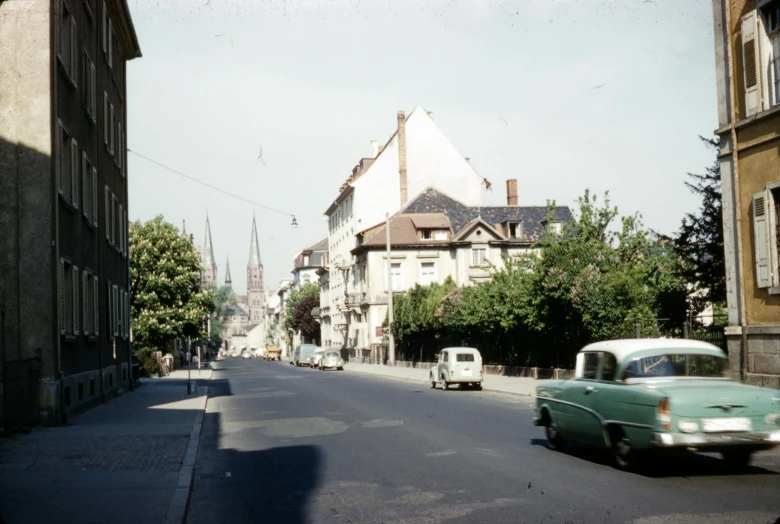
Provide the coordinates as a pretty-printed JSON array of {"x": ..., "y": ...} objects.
[
  {"x": 433, "y": 383},
  {"x": 623, "y": 452},
  {"x": 555, "y": 441},
  {"x": 444, "y": 384},
  {"x": 478, "y": 386},
  {"x": 737, "y": 460}
]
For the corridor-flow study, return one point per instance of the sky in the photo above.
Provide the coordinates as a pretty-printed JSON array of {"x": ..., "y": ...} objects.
[{"x": 276, "y": 101}]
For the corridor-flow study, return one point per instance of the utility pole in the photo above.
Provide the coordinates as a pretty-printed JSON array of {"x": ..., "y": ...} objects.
[{"x": 390, "y": 339}]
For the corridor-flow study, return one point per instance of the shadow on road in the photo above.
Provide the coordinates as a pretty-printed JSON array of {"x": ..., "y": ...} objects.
[
  {"x": 661, "y": 466},
  {"x": 267, "y": 485}
]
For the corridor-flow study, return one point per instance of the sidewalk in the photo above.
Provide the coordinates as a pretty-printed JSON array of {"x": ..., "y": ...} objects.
[
  {"x": 514, "y": 385},
  {"x": 126, "y": 461}
]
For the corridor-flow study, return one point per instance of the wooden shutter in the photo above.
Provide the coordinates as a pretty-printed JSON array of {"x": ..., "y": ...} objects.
[
  {"x": 85, "y": 184},
  {"x": 750, "y": 64},
  {"x": 96, "y": 304},
  {"x": 94, "y": 196},
  {"x": 107, "y": 217},
  {"x": 85, "y": 300},
  {"x": 112, "y": 142},
  {"x": 110, "y": 43},
  {"x": 74, "y": 173},
  {"x": 59, "y": 156},
  {"x": 92, "y": 89},
  {"x": 120, "y": 218},
  {"x": 115, "y": 313},
  {"x": 105, "y": 28},
  {"x": 74, "y": 274},
  {"x": 109, "y": 309},
  {"x": 62, "y": 297},
  {"x": 74, "y": 53},
  {"x": 761, "y": 209},
  {"x": 105, "y": 118},
  {"x": 120, "y": 152}
]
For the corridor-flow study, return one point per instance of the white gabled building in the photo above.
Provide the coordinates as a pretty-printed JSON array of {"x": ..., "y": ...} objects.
[{"x": 418, "y": 155}]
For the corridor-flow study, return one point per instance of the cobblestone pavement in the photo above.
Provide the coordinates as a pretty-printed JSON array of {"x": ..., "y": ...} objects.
[{"x": 127, "y": 453}]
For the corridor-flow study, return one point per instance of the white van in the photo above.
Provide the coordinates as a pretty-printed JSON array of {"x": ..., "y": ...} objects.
[{"x": 458, "y": 366}]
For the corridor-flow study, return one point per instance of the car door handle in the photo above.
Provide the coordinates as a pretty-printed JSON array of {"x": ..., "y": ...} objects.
[{"x": 591, "y": 389}]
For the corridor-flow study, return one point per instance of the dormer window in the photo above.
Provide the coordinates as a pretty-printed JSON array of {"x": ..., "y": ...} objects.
[
  {"x": 514, "y": 230},
  {"x": 440, "y": 234},
  {"x": 555, "y": 227},
  {"x": 425, "y": 234}
]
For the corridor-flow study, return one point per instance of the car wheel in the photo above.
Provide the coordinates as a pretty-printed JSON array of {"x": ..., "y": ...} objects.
[
  {"x": 433, "y": 382},
  {"x": 340, "y": 369},
  {"x": 478, "y": 387},
  {"x": 444, "y": 384},
  {"x": 737, "y": 460},
  {"x": 554, "y": 439},
  {"x": 623, "y": 452}
]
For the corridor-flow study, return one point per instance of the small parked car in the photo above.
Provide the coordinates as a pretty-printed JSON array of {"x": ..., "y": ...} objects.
[
  {"x": 302, "y": 354},
  {"x": 246, "y": 354},
  {"x": 639, "y": 396},
  {"x": 314, "y": 360},
  {"x": 332, "y": 360},
  {"x": 461, "y": 366}
]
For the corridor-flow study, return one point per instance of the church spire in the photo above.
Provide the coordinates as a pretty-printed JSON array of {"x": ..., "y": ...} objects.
[
  {"x": 228, "y": 280},
  {"x": 254, "y": 247},
  {"x": 208, "y": 264}
]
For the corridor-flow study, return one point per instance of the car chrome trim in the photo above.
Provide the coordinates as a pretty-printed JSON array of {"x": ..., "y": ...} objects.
[
  {"x": 604, "y": 422},
  {"x": 759, "y": 438}
]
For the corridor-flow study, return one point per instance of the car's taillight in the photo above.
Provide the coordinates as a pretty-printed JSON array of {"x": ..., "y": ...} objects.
[{"x": 664, "y": 414}]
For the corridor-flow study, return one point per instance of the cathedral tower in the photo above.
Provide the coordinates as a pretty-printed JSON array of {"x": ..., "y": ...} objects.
[
  {"x": 228, "y": 280},
  {"x": 254, "y": 279},
  {"x": 208, "y": 272}
]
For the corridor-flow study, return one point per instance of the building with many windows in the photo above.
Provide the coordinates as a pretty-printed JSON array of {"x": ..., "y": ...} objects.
[
  {"x": 64, "y": 270},
  {"x": 747, "y": 59}
]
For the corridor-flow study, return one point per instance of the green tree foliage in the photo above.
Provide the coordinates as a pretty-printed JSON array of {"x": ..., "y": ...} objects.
[
  {"x": 167, "y": 302},
  {"x": 585, "y": 284},
  {"x": 302, "y": 319},
  {"x": 699, "y": 241},
  {"x": 290, "y": 323},
  {"x": 224, "y": 299}
]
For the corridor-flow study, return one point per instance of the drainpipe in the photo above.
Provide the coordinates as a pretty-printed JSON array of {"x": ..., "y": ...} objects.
[{"x": 737, "y": 202}]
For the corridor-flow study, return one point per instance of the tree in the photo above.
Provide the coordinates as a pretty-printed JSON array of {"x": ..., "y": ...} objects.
[
  {"x": 167, "y": 302},
  {"x": 699, "y": 242},
  {"x": 307, "y": 290},
  {"x": 302, "y": 319},
  {"x": 224, "y": 299}
]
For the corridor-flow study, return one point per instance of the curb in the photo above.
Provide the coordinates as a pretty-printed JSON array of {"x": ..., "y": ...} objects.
[
  {"x": 180, "y": 502},
  {"x": 416, "y": 381}
]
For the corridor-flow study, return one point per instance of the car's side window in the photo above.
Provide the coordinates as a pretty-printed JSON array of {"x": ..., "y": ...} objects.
[
  {"x": 590, "y": 365},
  {"x": 608, "y": 366},
  {"x": 443, "y": 357}
]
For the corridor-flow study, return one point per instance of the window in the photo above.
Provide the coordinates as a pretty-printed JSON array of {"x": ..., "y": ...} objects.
[
  {"x": 113, "y": 220},
  {"x": 609, "y": 366},
  {"x": 121, "y": 229},
  {"x": 121, "y": 149},
  {"x": 478, "y": 257},
  {"x": 110, "y": 51},
  {"x": 88, "y": 188},
  {"x": 396, "y": 276},
  {"x": 555, "y": 227},
  {"x": 440, "y": 234},
  {"x": 89, "y": 303},
  {"x": 761, "y": 58},
  {"x": 67, "y": 52},
  {"x": 96, "y": 304},
  {"x": 107, "y": 214},
  {"x": 425, "y": 234},
  {"x": 88, "y": 83},
  {"x": 515, "y": 230},
  {"x": 587, "y": 365},
  {"x": 427, "y": 273},
  {"x": 112, "y": 125},
  {"x": 113, "y": 300},
  {"x": 464, "y": 357},
  {"x": 106, "y": 120},
  {"x": 67, "y": 151},
  {"x": 766, "y": 233},
  {"x": 69, "y": 298}
]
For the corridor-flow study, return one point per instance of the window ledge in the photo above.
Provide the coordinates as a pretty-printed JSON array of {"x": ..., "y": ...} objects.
[
  {"x": 90, "y": 116},
  {"x": 65, "y": 73},
  {"x": 70, "y": 207},
  {"x": 774, "y": 290},
  {"x": 758, "y": 116},
  {"x": 92, "y": 338},
  {"x": 90, "y": 224},
  {"x": 70, "y": 339}
]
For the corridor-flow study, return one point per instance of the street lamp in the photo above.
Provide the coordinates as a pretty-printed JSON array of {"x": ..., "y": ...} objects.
[{"x": 294, "y": 222}]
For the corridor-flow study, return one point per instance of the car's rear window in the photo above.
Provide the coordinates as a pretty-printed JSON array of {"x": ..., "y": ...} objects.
[
  {"x": 332, "y": 354},
  {"x": 464, "y": 357},
  {"x": 709, "y": 366}
]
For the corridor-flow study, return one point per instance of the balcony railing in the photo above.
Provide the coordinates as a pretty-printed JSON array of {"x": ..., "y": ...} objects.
[{"x": 355, "y": 299}]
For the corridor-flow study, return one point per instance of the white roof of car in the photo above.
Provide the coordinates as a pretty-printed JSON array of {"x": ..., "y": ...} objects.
[
  {"x": 473, "y": 350},
  {"x": 622, "y": 348}
]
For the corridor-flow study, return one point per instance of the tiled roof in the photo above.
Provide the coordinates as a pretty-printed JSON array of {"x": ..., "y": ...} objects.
[
  {"x": 403, "y": 230},
  {"x": 433, "y": 201}
]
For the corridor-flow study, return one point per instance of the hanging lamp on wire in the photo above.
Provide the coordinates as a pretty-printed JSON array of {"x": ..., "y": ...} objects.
[{"x": 294, "y": 222}]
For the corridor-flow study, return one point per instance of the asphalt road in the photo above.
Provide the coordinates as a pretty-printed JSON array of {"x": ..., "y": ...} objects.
[{"x": 290, "y": 445}]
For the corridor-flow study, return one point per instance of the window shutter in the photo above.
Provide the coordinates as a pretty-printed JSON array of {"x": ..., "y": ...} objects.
[
  {"x": 109, "y": 309},
  {"x": 74, "y": 54},
  {"x": 74, "y": 273},
  {"x": 74, "y": 173},
  {"x": 94, "y": 196},
  {"x": 105, "y": 27},
  {"x": 750, "y": 67},
  {"x": 85, "y": 179},
  {"x": 112, "y": 121},
  {"x": 115, "y": 313},
  {"x": 105, "y": 118},
  {"x": 120, "y": 153},
  {"x": 85, "y": 300},
  {"x": 62, "y": 297},
  {"x": 92, "y": 89},
  {"x": 107, "y": 217},
  {"x": 110, "y": 43},
  {"x": 120, "y": 219},
  {"x": 761, "y": 234},
  {"x": 59, "y": 156},
  {"x": 96, "y": 304}
]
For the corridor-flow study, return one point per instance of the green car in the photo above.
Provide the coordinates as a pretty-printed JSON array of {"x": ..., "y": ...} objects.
[{"x": 636, "y": 396}]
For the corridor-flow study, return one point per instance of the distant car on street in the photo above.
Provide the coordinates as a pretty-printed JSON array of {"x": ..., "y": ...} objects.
[
  {"x": 461, "y": 366},
  {"x": 302, "y": 354},
  {"x": 314, "y": 360},
  {"x": 331, "y": 359},
  {"x": 640, "y": 396},
  {"x": 246, "y": 354}
]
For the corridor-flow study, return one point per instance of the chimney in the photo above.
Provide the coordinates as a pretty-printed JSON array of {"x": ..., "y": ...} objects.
[
  {"x": 511, "y": 192},
  {"x": 402, "y": 156},
  {"x": 374, "y": 149}
]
